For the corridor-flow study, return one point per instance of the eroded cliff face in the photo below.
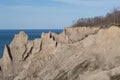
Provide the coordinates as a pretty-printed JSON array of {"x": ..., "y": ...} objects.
[{"x": 81, "y": 53}]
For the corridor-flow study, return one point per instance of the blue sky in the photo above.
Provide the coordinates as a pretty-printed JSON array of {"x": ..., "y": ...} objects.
[{"x": 50, "y": 14}]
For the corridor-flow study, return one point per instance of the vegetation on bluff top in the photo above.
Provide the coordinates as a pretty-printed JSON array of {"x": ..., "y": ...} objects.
[{"x": 109, "y": 19}]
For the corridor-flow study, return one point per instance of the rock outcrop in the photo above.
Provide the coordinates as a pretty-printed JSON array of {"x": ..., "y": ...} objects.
[
  {"x": 7, "y": 62},
  {"x": 82, "y": 53}
]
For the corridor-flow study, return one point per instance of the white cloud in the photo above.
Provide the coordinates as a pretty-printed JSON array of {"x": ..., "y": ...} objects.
[
  {"x": 67, "y": 1},
  {"x": 91, "y": 2}
]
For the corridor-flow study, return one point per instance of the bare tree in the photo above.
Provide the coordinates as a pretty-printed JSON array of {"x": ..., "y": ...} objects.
[{"x": 112, "y": 18}]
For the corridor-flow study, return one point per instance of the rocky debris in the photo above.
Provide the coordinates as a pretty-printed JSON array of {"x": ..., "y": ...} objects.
[{"x": 80, "y": 53}]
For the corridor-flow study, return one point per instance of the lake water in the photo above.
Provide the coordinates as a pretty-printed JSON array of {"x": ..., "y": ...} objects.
[{"x": 6, "y": 36}]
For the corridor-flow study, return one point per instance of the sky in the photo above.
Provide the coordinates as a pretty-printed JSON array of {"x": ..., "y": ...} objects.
[{"x": 50, "y": 14}]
